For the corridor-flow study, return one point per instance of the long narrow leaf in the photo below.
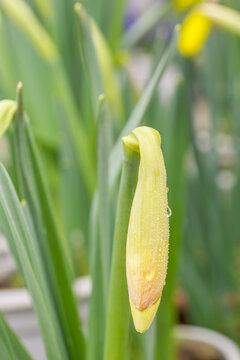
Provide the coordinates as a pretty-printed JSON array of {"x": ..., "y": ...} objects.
[
  {"x": 99, "y": 63},
  {"x": 19, "y": 235},
  {"x": 103, "y": 189},
  {"x": 139, "y": 111},
  {"x": 52, "y": 247}
]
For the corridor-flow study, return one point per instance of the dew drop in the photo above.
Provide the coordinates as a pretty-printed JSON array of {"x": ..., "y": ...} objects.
[
  {"x": 169, "y": 212},
  {"x": 150, "y": 275}
]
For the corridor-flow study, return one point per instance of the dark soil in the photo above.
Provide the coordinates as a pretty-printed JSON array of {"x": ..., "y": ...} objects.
[{"x": 197, "y": 351}]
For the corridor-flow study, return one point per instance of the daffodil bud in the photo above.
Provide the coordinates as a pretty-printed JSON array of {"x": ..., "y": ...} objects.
[
  {"x": 7, "y": 112},
  {"x": 148, "y": 230}
]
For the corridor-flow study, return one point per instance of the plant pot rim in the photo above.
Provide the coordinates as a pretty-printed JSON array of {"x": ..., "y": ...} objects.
[
  {"x": 222, "y": 343},
  {"x": 18, "y": 300}
]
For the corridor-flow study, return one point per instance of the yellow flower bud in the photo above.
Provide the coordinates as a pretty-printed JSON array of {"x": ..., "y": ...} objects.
[
  {"x": 7, "y": 112},
  {"x": 148, "y": 231},
  {"x": 184, "y": 4},
  {"x": 194, "y": 33}
]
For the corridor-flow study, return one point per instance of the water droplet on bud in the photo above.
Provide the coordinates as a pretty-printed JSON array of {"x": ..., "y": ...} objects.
[{"x": 169, "y": 212}]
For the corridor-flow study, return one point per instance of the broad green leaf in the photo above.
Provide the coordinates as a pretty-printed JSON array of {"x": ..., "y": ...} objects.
[
  {"x": 7, "y": 112},
  {"x": 10, "y": 346}
]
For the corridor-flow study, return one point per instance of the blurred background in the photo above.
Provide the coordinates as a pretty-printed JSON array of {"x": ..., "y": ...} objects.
[{"x": 196, "y": 108}]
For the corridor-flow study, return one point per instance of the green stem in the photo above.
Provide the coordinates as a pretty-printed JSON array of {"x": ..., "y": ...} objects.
[
  {"x": 118, "y": 316},
  {"x": 178, "y": 140}
]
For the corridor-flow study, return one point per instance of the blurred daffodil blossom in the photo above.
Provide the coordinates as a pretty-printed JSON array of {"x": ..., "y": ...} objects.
[
  {"x": 184, "y": 4},
  {"x": 197, "y": 24},
  {"x": 194, "y": 33},
  {"x": 148, "y": 230}
]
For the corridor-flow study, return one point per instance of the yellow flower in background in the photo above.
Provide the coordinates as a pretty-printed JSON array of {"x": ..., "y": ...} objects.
[
  {"x": 148, "y": 231},
  {"x": 184, "y": 4},
  {"x": 197, "y": 25},
  {"x": 195, "y": 28},
  {"x": 194, "y": 33}
]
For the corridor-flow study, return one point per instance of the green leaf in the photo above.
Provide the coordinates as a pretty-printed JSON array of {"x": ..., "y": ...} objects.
[{"x": 10, "y": 346}]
